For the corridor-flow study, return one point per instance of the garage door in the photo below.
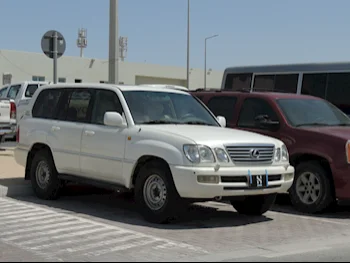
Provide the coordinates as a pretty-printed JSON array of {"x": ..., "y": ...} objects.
[{"x": 154, "y": 80}]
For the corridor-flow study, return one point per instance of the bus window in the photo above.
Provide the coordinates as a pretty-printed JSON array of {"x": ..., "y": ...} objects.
[
  {"x": 264, "y": 83},
  {"x": 286, "y": 83},
  {"x": 338, "y": 90},
  {"x": 238, "y": 81},
  {"x": 314, "y": 85}
]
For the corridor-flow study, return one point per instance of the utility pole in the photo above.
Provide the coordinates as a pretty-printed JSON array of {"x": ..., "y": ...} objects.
[
  {"x": 113, "y": 76},
  {"x": 188, "y": 45}
]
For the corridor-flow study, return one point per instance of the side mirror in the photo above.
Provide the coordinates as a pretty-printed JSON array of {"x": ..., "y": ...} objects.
[
  {"x": 113, "y": 119},
  {"x": 265, "y": 122},
  {"x": 222, "y": 121}
]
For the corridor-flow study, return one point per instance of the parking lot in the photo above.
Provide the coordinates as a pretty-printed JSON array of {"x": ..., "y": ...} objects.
[{"x": 89, "y": 224}]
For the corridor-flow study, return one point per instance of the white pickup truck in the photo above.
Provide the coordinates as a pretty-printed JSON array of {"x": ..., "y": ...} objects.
[{"x": 7, "y": 117}]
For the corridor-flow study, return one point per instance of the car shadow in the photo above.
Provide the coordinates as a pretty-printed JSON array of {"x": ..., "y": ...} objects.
[
  {"x": 108, "y": 205},
  {"x": 284, "y": 205}
]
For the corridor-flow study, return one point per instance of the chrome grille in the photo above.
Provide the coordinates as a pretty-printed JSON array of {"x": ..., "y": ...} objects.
[{"x": 257, "y": 153}]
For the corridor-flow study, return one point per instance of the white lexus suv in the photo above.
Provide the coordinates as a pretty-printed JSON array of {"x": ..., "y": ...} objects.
[{"x": 161, "y": 144}]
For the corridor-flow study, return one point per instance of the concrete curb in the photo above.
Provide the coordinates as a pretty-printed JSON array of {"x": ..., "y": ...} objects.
[{"x": 16, "y": 190}]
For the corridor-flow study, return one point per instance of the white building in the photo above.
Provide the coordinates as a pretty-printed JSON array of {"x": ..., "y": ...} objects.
[{"x": 36, "y": 66}]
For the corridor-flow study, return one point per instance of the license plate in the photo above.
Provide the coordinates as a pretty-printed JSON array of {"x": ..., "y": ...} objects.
[{"x": 258, "y": 181}]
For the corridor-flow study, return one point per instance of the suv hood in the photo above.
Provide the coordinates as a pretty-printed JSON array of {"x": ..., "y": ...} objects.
[
  {"x": 334, "y": 131},
  {"x": 212, "y": 135}
]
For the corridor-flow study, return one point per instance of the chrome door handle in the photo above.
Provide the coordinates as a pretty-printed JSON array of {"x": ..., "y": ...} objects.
[
  {"x": 55, "y": 128},
  {"x": 89, "y": 133}
]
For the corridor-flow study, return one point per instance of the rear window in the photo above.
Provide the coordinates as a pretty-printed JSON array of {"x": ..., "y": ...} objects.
[
  {"x": 31, "y": 88},
  {"x": 12, "y": 94}
]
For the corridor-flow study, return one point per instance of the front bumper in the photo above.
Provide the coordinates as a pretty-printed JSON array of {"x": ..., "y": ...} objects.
[{"x": 233, "y": 181}]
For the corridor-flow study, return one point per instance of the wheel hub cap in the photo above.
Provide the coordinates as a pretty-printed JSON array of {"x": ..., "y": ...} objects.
[
  {"x": 308, "y": 188},
  {"x": 155, "y": 192}
]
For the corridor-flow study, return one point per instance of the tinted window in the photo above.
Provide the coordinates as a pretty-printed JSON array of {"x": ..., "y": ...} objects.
[
  {"x": 312, "y": 112},
  {"x": 148, "y": 107},
  {"x": 252, "y": 108},
  {"x": 12, "y": 94},
  {"x": 3, "y": 92},
  {"x": 223, "y": 106},
  {"x": 46, "y": 104},
  {"x": 338, "y": 89},
  {"x": 61, "y": 80},
  {"x": 31, "y": 88},
  {"x": 106, "y": 100},
  {"x": 264, "y": 83},
  {"x": 286, "y": 83},
  {"x": 75, "y": 105},
  {"x": 238, "y": 81},
  {"x": 314, "y": 85}
]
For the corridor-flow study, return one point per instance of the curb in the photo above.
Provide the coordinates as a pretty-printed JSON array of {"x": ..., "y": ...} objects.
[{"x": 16, "y": 190}]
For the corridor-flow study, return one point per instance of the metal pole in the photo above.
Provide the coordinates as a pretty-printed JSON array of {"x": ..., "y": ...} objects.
[
  {"x": 113, "y": 42},
  {"x": 205, "y": 59},
  {"x": 55, "y": 37},
  {"x": 205, "y": 64},
  {"x": 188, "y": 45}
]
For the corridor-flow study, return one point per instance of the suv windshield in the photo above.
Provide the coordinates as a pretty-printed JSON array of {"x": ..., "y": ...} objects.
[
  {"x": 312, "y": 112},
  {"x": 158, "y": 107}
]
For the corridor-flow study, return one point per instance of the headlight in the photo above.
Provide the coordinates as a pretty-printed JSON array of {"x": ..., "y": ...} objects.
[
  {"x": 221, "y": 155},
  {"x": 199, "y": 154},
  {"x": 278, "y": 155},
  {"x": 285, "y": 154}
]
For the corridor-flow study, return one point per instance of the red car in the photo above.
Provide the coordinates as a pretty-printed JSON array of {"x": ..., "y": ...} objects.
[{"x": 316, "y": 133}]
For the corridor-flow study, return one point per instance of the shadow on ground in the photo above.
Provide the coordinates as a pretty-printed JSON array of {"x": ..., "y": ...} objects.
[
  {"x": 283, "y": 205},
  {"x": 108, "y": 205}
]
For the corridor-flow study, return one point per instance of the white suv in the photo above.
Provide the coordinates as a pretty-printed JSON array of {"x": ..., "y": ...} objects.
[{"x": 161, "y": 144}]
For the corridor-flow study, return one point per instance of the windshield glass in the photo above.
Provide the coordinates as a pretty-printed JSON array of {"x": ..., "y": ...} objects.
[
  {"x": 153, "y": 107},
  {"x": 312, "y": 112}
]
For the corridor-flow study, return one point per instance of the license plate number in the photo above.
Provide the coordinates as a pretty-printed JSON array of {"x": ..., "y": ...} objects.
[{"x": 258, "y": 181}]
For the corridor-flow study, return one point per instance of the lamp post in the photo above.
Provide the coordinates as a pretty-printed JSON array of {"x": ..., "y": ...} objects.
[
  {"x": 113, "y": 42},
  {"x": 205, "y": 59},
  {"x": 188, "y": 46}
]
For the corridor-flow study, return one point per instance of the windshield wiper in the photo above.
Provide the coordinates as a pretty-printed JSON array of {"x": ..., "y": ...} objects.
[
  {"x": 313, "y": 124},
  {"x": 160, "y": 122},
  {"x": 197, "y": 123}
]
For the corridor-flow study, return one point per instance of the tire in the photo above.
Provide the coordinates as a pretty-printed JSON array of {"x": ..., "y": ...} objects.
[
  {"x": 51, "y": 189},
  {"x": 255, "y": 205},
  {"x": 172, "y": 204},
  {"x": 325, "y": 194}
]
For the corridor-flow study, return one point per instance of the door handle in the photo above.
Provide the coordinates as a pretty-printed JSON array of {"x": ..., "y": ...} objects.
[
  {"x": 89, "y": 133},
  {"x": 55, "y": 128}
]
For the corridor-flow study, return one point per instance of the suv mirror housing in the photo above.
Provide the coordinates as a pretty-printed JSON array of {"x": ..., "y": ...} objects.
[
  {"x": 265, "y": 122},
  {"x": 113, "y": 119},
  {"x": 222, "y": 121}
]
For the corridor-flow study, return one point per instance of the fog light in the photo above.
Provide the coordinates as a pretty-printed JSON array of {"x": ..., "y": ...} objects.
[
  {"x": 208, "y": 179},
  {"x": 289, "y": 176}
]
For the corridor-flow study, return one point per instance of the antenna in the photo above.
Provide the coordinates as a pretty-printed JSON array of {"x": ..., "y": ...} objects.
[
  {"x": 82, "y": 40},
  {"x": 123, "y": 47}
]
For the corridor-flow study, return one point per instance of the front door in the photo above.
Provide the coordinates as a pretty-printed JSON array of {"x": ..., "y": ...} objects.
[{"x": 102, "y": 148}]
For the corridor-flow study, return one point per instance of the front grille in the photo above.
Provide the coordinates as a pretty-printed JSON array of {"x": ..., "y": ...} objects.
[{"x": 252, "y": 154}]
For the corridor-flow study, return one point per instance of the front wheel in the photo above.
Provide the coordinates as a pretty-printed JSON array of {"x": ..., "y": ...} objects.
[
  {"x": 254, "y": 205},
  {"x": 156, "y": 194}
]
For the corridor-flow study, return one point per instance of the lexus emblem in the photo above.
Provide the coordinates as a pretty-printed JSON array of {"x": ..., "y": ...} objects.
[{"x": 254, "y": 153}]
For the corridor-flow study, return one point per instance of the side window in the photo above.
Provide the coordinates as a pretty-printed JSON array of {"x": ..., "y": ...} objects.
[
  {"x": 264, "y": 83},
  {"x": 286, "y": 83},
  {"x": 253, "y": 107},
  {"x": 314, "y": 85},
  {"x": 76, "y": 110},
  {"x": 46, "y": 104},
  {"x": 106, "y": 100},
  {"x": 31, "y": 88},
  {"x": 12, "y": 94},
  {"x": 3, "y": 92},
  {"x": 338, "y": 89},
  {"x": 223, "y": 106},
  {"x": 238, "y": 81}
]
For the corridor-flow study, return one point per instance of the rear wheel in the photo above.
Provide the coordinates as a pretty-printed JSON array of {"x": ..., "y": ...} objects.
[
  {"x": 312, "y": 189},
  {"x": 44, "y": 177},
  {"x": 254, "y": 205},
  {"x": 156, "y": 194}
]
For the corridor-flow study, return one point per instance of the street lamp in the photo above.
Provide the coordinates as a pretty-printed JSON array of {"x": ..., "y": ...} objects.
[
  {"x": 205, "y": 59},
  {"x": 113, "y": 43},
  {"x": 188, "y": 45}
]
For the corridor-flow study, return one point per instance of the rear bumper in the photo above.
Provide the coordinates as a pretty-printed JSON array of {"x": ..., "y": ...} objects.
[{"x": 8, "y": 129}]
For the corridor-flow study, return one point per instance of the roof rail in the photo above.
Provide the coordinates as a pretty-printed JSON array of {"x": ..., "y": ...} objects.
[{"x": 167, "y": 86}]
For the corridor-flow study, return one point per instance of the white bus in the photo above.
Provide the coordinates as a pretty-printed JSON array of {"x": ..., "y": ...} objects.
[{"x": 330, "y": 81}]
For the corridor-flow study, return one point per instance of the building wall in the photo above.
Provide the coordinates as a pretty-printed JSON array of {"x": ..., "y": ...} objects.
[{"x": 25, "y": 65}]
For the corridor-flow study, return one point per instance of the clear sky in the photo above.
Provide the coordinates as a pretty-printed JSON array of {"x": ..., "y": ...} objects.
[{"x": 250, "y": 31}]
